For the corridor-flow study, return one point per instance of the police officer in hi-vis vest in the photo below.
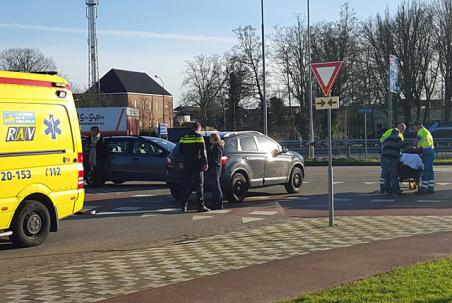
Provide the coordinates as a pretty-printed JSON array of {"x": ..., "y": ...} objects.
[
  {"x": 193, "y": 150},
  {"x": 400, "y": 129},
  {"x": 424, "y": 141}
]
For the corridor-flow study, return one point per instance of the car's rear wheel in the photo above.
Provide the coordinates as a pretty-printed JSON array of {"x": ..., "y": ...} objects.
[
  {"x": 176, "y": 190},
  {"x": 295, "y": 181},
  {"x": 238, "y": 188},
  {"x": 31, "y": 224}
]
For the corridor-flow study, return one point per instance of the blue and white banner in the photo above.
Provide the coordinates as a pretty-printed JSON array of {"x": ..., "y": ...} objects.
[{"x": 393, "y": 74}]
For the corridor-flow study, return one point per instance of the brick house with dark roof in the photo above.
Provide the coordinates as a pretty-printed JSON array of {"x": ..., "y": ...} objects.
[{"x": 122, "y": 88}]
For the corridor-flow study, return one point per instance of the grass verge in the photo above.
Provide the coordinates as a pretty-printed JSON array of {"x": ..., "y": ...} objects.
[
  {"x": 371, "y": 161},
  {"x": 427, "y": 282}
]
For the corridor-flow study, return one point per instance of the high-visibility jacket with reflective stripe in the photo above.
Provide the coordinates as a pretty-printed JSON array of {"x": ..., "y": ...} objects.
[
  {"x": 392, "y": 145},
  {"x": 425, "y": 139},
  {"x": 388, "y": 133},
  {"x": 193, "y": 149}
]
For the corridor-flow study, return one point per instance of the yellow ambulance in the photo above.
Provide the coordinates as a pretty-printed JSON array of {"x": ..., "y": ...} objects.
[{"x": 41, "y": 158}]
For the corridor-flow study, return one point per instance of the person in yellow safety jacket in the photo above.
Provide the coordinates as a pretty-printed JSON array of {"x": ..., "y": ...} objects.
[
  {"x": 401, "y": 127},
  {"x": 424, "y": 140},
  {"x": 193, "y": 150}
]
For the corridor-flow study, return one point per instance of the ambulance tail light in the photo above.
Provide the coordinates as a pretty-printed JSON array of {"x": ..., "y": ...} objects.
[{"x": 80, "y": 171}]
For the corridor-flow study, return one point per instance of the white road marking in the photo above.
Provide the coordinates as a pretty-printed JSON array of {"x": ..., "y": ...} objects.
[
  {"x": 112, "y": 213},
  {"x": 337, "y": 183},
  {"x": 372, "y": 195},
  {"x": 370, "y": 183},
  {"x": 258, "y": 198},
  {"x": 443, "y": 169},
  {"x": 220, "y": 211},
  {"x": 142, "y": 196},
  {"x": 146, "y": 215},
  {"x": 443, "y": 184},
  {"x": 126, "y": 208},
  {"x": 428, "y": 201},
  {"x": 248, "y": 219},
  {"x": 383, "y": 200},
  {"x": 342, "y": 199},
  {"x": 264, "y": 213},
  {"x": 163, "y": 210},
  {"x": 306, "y": 182},
  {"x": 196, "y": 217}
]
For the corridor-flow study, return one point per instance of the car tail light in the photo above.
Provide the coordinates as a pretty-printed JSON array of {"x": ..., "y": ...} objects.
[
  {"x": 80, "y": 170},
  {"x": 224, "y": 160}
]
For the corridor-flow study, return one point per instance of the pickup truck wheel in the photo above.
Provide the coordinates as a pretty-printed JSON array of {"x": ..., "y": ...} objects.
[
  {"x": 238, "y": 188},
  {"x": 31, "y": 224},
  {"x": 295, "y": 181}
]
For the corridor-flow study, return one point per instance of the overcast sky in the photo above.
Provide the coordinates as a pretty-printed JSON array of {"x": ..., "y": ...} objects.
[{"x": 152, "y": 36}]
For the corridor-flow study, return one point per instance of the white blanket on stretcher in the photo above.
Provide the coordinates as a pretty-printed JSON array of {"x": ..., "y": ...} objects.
[{"x": 413, "y": 161}]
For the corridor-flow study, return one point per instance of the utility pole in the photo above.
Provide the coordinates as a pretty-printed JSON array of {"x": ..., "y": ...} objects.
[
  {"x": 311, "y": 111},
  {"x": 93, "y": 65},
  {"x": 163, "y": 96},
  {"x": 264, "y": 85}
]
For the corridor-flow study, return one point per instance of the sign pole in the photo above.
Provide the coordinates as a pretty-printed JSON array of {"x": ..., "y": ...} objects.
[
  {"x": 327, "y": 74},
  {"x": 330, "y": 174},
  {"x": 390, "y": 123},
  {"x": 365, "y": 132}
]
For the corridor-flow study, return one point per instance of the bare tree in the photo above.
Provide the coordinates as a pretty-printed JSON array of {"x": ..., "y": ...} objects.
[
  {"x": 25, "y": 60},
  {"x": 291, "y": 54},
  {"x": 204, "y": 80},
  {"x": 248, "y": 49},
  {"x": 238, "y": 89},
  {"x": 443, "y": 43},
  {"x": 408, "y": 35}
]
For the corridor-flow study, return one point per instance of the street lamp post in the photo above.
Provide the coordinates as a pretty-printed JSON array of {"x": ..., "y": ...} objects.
[
  {"x": 264, "y": 88},
  {"x": 163, "y": 96},
  {"x": 311, "y": 113}
]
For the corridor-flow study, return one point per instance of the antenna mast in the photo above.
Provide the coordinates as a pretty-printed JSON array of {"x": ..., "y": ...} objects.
[{"x": 93, "y": 67}]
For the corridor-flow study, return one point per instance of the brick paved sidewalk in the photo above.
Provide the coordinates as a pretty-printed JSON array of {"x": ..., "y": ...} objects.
[{"x": 155, "y": 267}]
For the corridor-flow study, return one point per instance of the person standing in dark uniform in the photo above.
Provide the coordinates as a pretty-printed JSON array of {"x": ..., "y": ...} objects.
[
  {"x": 193, "y": 150},
  {"x": 96, "y": 156},
  {"x": 215, "y": 154}
]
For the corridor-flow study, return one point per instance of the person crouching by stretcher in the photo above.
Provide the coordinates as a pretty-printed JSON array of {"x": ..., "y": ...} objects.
[{"x": 392, "y": 141}]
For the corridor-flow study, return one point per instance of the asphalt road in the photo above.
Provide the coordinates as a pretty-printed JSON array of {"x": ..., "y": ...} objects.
[{"x": 134, "y": 216}]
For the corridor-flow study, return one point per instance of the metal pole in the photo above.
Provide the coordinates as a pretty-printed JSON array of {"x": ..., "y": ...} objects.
[
  {"x": 390, "y": 107},
  {"x": 163, "y": 96},
  {"x": 330, "y": 174},
  {"x": 390, "y": 111},
  {"x": 365, "y": 132},
  {"x": 311, "y": 112},
  {"x": 264, "y": 88}
]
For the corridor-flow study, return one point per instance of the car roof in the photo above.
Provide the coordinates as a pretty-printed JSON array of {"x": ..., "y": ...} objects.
[{"x": 154, "y": 139}]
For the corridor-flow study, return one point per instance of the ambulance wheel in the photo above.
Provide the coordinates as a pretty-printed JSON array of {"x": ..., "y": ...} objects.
[{"x": 31, "y": 224}]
